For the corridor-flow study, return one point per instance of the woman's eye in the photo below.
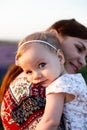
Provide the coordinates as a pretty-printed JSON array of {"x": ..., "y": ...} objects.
[
  {"x": 80, "y": 49},
  {"x": 41, "y": 65},
  {"x": 86, "y": 59}
]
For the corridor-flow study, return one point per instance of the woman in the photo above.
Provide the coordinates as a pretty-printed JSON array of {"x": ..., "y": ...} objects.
[{"x": 73, "y": 39}]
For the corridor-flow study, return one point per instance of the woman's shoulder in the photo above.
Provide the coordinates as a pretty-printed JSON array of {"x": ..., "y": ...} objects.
[
  {"x": 20, "y": 79},
  {"x": 19, "y": 88},
  {"x": 21, "y": 75}
]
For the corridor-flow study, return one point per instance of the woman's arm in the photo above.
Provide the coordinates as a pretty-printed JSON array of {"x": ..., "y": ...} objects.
[{"x": 53, "y": 111}]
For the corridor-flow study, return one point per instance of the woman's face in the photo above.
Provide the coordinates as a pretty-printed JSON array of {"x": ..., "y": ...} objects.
[{"x": 75, "y": 52}]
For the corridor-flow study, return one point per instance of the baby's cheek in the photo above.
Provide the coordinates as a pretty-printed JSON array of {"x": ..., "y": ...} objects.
[{"x": 30, "y": 78}]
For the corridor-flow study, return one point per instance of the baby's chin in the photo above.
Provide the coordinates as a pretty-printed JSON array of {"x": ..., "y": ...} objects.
[{"x": 45, "y": 84}]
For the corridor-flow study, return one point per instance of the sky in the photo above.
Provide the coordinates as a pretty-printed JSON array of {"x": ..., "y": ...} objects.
[{"x": 18, "y": 18}]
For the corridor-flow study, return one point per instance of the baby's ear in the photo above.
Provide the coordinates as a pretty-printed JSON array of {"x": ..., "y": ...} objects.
[
  {"x": 60, "y": 56},
  {"x": 54, "y": 32}
]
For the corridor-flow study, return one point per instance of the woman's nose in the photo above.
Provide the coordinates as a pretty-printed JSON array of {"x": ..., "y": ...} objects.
[{"x": 82, "y": 61}]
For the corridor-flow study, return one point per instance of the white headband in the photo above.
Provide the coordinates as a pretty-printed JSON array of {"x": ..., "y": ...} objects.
[{"x": 38, "y": 41}]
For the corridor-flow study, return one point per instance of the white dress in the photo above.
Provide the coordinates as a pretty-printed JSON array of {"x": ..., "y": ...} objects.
[{"x": 75, "y": 111}]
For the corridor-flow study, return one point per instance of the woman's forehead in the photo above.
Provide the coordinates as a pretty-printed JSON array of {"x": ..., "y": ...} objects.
[{"x": 69, "y": 38}]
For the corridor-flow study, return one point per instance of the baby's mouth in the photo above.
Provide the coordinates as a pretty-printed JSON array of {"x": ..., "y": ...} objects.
[{"x": 43, "y": 82}]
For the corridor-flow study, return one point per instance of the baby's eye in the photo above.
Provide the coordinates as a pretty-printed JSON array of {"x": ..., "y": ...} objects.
[
  {"x": 41, "y": 65},
  {"x": 28, "y": 72}
]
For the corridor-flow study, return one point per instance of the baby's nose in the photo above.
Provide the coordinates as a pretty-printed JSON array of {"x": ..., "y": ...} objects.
[{"x": 37, "y": 75}]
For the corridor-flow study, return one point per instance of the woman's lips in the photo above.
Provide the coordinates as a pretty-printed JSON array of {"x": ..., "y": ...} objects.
[{"x": 74, "y": 67}]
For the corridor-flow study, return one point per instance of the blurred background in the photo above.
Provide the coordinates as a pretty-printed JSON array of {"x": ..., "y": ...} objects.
[
  {"x": 18, "y": 18},
  {"x": 21, "y": 17}
]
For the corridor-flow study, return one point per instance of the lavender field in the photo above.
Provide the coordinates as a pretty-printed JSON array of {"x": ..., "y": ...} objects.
[{"x": 7, "y": 56}]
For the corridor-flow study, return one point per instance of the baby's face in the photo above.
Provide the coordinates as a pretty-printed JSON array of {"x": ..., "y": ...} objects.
[{"x": 41, "y": 64}]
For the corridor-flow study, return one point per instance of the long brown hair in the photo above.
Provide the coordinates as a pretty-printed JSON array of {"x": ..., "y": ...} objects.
[
  {"x": 70, "y": 27},
  {"x": 11, "y": 74}
]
